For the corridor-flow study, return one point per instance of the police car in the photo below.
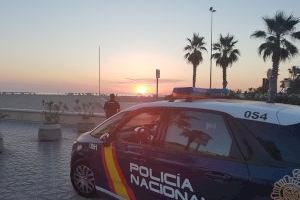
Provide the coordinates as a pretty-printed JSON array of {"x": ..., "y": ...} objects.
[{"x": 192, "y": 148}]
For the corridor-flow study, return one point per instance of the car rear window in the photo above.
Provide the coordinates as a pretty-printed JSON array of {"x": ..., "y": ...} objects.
[
  {"x": 198, "y": 132},
  {"x": 282, "y": 143}
]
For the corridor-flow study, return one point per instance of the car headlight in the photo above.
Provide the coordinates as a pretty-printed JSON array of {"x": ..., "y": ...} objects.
[{"x": 79, "y": 147}]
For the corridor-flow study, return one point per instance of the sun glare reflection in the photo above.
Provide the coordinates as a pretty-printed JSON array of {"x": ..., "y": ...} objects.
[{"x": 142, "y": 89}]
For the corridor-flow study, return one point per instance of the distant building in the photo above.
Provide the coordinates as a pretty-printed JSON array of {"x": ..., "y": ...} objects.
[
  {"x": 292, "y": 85},
  {"x": 285, "y": 84}
]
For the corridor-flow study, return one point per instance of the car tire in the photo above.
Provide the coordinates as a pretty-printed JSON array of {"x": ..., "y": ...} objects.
[{"x": 83, "y": 179}]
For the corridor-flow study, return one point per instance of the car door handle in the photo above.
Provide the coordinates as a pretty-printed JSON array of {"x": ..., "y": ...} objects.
[{"x": 218, "y": 175}]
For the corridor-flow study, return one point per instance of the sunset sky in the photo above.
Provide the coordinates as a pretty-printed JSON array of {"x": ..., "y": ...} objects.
[{"x": 52, "y": 46}]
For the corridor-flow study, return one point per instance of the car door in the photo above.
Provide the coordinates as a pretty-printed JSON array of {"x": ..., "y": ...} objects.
[
  {"x": 197, "y": 158},
  {"x": 274, "y": 164},
  {"x": 125, "y": 157},
  {"x": 102, "y": 132}
]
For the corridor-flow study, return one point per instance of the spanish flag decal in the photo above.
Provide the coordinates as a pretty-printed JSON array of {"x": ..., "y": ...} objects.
[{"x": 115, "y": 177}]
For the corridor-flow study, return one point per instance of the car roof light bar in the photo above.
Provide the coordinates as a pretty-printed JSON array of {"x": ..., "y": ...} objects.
[{"x": 190, "y": 93}]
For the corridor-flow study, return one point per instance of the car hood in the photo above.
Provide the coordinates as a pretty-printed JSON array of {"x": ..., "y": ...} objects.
[{"x": 87, "y": 138}]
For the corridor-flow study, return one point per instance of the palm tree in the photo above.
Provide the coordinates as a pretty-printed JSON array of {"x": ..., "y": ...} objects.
[
  {"x": 276, "y": 45},
  {"x": 194, "y": 53},
  {"x": 225, "y": 54}
]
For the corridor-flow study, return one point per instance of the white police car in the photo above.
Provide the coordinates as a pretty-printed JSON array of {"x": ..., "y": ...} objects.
[{"x": 192, "y": 149}]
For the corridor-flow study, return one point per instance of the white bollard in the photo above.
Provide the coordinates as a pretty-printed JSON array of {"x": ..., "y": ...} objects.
[{"x": 49, "y": 132}]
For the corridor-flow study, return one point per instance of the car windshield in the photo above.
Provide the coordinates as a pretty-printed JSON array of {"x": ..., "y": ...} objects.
[
  {"x": 108, "y": 125},
  {"x": 282, "y": 143}
]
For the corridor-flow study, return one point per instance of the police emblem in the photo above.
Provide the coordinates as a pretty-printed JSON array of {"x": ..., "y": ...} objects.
[{"x": 287, "y": 188}]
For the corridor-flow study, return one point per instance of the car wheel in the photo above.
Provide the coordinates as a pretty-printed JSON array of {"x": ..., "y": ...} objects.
[{"x": 83, "y": 179}]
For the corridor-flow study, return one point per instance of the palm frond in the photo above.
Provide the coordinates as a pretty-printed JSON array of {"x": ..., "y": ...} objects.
[
  {"x": 232, "y": 58},
  {"x": 216, "y": 55},
  {"x": 266, "y": 50},
  {"x": 291, "y": 49},
  {"x": 194, "y": 49},
  {"x": 276, "y": 45},
  {"x": 225, "y": 53},
  {"x": 296, "y": 35},
  {"x": 266, "y": 54},
  {"x": 267, "y": 45},
  {"x": 236, "y": 51},
  {"x": 281, "y": 23},
  {"x": 233, "y": 43},
  {"x": 290, "y": 23},
  {"x": 284, "y": 54},
  {"x": 271, "y": 24},
  {"x": 187, "y": 55},
  {"x": 188, "y": 47},
  {"x": 216, "y": 47},
  {"x": 271, "y": 38},
  {"x": 203, "y": 48},
  {"x": 259, "y": 34}
]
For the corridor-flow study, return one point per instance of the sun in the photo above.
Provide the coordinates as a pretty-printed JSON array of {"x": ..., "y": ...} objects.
[{"x": 141, "y": 89}]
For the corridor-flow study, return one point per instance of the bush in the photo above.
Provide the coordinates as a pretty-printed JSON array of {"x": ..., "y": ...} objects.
[
  {"x": 51, "y": 112},
  {"x": 293, "y": 99}
]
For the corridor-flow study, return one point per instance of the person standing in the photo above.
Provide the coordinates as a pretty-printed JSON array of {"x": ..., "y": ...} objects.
[{"x": 111, "y": 106}]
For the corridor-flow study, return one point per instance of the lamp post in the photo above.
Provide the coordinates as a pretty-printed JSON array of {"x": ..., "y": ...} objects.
[
  {"x": 99, "y": 73},
  {"x": 212, "y": 10}
]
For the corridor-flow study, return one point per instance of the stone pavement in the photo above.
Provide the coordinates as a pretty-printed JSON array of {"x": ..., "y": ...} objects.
[{"x": 35, "y": 170}]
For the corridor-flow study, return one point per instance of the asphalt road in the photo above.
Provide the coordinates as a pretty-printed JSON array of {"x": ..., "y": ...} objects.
[{"x": 30, "y": 169}]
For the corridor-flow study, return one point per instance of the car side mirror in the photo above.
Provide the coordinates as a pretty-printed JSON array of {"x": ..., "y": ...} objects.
[{"x": 105, "y": 138}]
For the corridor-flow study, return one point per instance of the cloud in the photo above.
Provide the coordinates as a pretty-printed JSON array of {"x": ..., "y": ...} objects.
[{"x": 146, "y": 80}]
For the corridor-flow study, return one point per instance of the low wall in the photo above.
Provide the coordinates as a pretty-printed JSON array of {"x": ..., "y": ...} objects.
[
  {"x": 38, "y": 116},
  {"x": 34, "y": 101}
]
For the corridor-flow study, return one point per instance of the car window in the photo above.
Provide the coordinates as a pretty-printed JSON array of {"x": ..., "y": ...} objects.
[
  {"x": 282, "y": 143},
  {"x": 108, "y": 125},
  {"x": 198, "y": 132},
  {"x": 140, "y": 128}
]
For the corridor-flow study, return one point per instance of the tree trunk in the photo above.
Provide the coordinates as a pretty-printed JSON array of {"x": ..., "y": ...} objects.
[
  {"x": 194, "y": 75},
  {"x": 273, "y": 79},
  {"x": 224, "y": 77}
]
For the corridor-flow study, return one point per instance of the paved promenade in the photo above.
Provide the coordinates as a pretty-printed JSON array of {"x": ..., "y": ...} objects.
[{"x": 35, "y": 170}]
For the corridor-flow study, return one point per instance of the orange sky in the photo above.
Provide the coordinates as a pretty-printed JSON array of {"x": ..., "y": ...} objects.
[{"x": 52, "y": 46}]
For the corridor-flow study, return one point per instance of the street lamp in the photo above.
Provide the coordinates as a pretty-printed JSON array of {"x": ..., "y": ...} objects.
[
  {"x": 212, "y": 10},
  {"x": 99, "y": 73}
]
